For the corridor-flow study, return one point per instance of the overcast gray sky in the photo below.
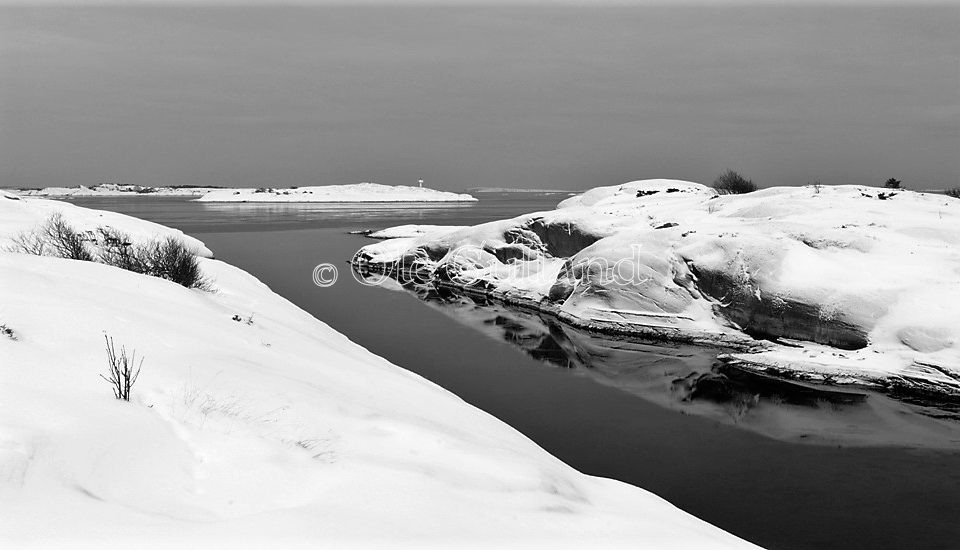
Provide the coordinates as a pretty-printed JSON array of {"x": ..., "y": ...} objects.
[{"x": 559, "y": 97}]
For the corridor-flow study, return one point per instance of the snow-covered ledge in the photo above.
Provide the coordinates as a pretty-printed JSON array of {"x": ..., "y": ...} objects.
[{"x": 254, "y": 422}]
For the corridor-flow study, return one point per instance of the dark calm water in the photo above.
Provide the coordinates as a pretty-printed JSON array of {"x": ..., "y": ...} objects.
[{"x": 784, "y": 467}]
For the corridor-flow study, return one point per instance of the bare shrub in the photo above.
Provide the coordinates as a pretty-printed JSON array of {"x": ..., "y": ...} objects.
[
  {"x": 63, "y": 240},
  {"x": 892, "y": 183},
  {"x": 55, "y": 237},
  {"x": 955, "y": 192},
  {"x": 732, "y": 183},
  {"x": 116, "y": 249},
  {"x": 167, "y": 258},
  {"x": 170, "y": 259},
  {"x": 29, "y": 242},
  {"x": 122, "y": 371}
]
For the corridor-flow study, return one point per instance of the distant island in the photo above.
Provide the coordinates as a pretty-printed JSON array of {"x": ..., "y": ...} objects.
[
  {"x": 117, "y": 190},
  {"x": 356, "y": 192}
]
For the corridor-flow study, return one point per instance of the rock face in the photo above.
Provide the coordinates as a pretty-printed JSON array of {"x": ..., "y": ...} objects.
[
  {"x": 768, "y": 315},
  {"x": 868, "y": 281}
]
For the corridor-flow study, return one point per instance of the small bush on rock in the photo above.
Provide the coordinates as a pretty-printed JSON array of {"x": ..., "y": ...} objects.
[
  {"x": 122, "y": 371},
  {"x": 892, "y": 183},
  {"x": 732, "y": 183}
]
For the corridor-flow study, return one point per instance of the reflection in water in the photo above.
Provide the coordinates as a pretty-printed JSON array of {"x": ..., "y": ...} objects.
[
  {"x": 194, "y": 217},
  {"x": 690, "y": 380},
  {"x": 331, "y": 213},
  {"x": 198, "y": 217}
]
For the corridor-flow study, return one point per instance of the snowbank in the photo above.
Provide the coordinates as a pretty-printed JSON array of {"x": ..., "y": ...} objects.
[
  {"x": 115, "y": 190},
  {"x": 357, "y": 192},
  {"x": 253, "y": 423},
  {"x": 860, "y": 284}
]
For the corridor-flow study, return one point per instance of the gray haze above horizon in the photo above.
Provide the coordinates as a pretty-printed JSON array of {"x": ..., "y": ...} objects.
[{"x": 550, "y": 97}]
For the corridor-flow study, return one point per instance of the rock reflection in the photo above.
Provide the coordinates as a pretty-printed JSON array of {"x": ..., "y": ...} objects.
[{"x": 690, "y": 380}]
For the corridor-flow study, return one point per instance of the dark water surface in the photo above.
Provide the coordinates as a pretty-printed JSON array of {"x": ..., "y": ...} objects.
[{"x": 781, "y": 467}]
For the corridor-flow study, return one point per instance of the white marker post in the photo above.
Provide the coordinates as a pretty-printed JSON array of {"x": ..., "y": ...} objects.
[{"x": 421, "y": 183}]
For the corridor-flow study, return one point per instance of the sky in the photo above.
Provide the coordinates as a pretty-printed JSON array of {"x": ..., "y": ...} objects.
[{"x": 547, "y": 96}]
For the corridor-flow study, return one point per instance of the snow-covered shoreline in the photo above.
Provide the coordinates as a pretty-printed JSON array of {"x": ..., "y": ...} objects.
[
  {"x": 253, "y": 421},
  {"x": 858, "y": 285},
  {"x": 357, "y": 192},
  {"x": 114, "y": 190}
]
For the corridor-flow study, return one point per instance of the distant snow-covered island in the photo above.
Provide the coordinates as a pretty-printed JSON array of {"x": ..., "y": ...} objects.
[
  {"x": 115, "y": 190},
  {"x": 252, "y": 421},
  {"x": 831, "y": 285},
  {"x": 356, "y": 192}
]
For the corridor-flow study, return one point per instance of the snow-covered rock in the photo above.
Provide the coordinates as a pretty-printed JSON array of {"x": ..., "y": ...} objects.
[
  {"x": 413, "y": 230},
  {"x": 253, "y": 423},
  {"x": 357, "y": 192},
  {"x": 874, "y": 272}
]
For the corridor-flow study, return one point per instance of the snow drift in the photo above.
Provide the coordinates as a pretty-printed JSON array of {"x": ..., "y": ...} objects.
[
  {"x": 253, "y": 423},
  {"x": 855, "y": 284}
]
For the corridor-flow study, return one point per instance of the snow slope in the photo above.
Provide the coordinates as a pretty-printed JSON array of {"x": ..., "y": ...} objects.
[
  {"x": 357, "y": 192},
  {"x": 268, "y": 429},
  {"x": 24, "y": 214},
  {"x": 864, "y": 281}
]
